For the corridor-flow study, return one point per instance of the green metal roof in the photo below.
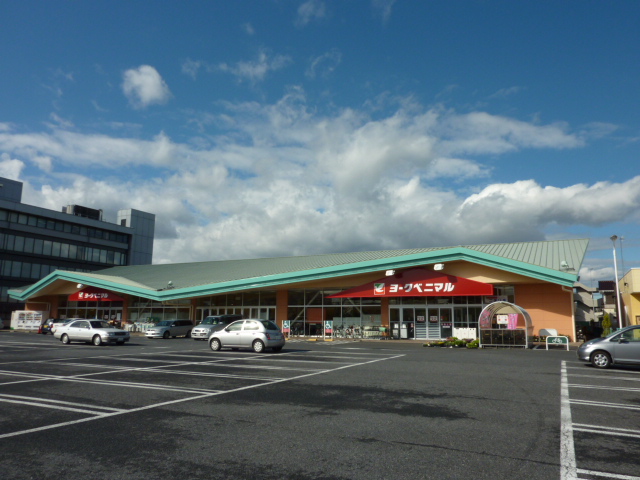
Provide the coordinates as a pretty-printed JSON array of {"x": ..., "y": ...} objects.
[{"x": 553, "y": 261}]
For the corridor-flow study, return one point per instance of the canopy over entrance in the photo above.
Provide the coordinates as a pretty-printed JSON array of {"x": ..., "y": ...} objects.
[
  {"x": 94, "y": 294},
  {"x": 418, "y": 282},
  {"x": 504, "y": 324}
]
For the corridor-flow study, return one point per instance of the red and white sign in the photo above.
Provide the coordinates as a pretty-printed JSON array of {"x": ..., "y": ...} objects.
[
  {"x": 418, "y": 282},
  {"x": 94, "y": 294}
]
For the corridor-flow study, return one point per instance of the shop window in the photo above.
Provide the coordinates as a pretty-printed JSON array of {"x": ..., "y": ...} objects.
[
  {"x": 313, "y": 297},
  {"x": 296, "y": 297},
  {"x": 268, "y": 298}
]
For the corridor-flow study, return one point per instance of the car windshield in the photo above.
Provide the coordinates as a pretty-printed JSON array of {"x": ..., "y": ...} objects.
[
  {"x": 165, "y": 323},
  {"x": 269, "y": 325},
  {"x": 99, "y": 324},
  {"x": 209, "y": 321}
]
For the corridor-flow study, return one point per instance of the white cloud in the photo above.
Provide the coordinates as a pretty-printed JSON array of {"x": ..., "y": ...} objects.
[
  {"x": 143, "y": 86},
  {"x": 10, "y": 167},
  {"x": 256, "y": 70},
  {"x": 308, "y": 11},
  {"x": 280, "y": 179},
  {"x": 323, "y": 65},
  {"x": 383, "y": 8}
]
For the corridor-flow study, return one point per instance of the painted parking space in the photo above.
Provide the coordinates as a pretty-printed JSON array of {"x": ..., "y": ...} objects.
[
  {"x": 600, "y": 422},
  {"x": 62, "y": 391}
]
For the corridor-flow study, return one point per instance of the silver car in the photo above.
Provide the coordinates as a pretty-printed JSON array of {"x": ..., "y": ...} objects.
[
  {"x": 93, "y": 331},
  {"x": 621, "y": 347},
  {"x": 251, "y": 333},
  {"x": 203, "y": 330},
  {"x": 170, "y": 328}
]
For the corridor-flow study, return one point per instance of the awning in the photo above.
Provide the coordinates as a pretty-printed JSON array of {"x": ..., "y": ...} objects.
[
  {"x": 418, "y": 282},
  {"x": 94, "y": 294}
]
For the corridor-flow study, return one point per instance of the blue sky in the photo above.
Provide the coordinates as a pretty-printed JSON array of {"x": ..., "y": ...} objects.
[{"x": 278, "y": 127}]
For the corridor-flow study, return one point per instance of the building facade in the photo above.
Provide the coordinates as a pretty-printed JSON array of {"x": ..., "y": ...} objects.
[
  {"x": 36, "y": 241},
  {"x": 630, "y": 297},
  {"x": 420, "y": 294}
]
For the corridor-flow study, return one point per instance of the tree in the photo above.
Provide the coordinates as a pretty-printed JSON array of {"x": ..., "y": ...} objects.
[{"x": 606, "y": 324}]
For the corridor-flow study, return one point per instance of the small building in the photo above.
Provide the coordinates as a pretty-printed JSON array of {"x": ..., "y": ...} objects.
[
  {"x": 36, "y": 241},
  {"x": 630, "y": 297},
  {"x": 421, "y": 293}
]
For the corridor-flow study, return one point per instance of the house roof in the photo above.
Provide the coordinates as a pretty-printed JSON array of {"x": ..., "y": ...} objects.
[{"x": 553, "y": 261}]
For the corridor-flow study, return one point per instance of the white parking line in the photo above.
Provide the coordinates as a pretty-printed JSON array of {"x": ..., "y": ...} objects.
[
  {"x": 58, "y": 405},
  {"x": 619, "y": 432},
  {"x": 604, "y": 404},
  {"x": 568, "y": 469},
  {"x": 607, "y": 475},
  {"x": 172, "y": 402}
]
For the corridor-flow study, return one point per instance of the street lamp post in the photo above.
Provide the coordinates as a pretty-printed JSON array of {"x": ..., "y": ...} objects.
[{"x": 615, "y": 269}]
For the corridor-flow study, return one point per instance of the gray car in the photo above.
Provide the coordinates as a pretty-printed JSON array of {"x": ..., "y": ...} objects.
[
  {"x": 170, "y": 328},
  {"x": 203, "y": 330},
  {"x": 621, "y": 347},
  {"x": 252, "y": 333},
  {"x": 93, "y": 331}
]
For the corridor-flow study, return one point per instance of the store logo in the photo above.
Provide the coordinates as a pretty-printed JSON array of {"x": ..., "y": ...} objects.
[{"x": 378, "y": 288}]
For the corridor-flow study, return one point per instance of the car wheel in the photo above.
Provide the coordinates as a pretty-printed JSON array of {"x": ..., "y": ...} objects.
[
  {"x": 215, "y": 344},
  {"x": 166, "y": 334},
  {"x": 97, "y": 340},
  {"x": 188, "y": 335},
  {"x": 277, "y": 349},
  {"x": 601, "y": 360},
  {"x": 65, "y": 339},
  {"x": 258, "y": 346}
]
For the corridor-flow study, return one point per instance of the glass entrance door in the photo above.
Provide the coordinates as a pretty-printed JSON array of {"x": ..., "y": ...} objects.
[{"x": 421, "y": 323}]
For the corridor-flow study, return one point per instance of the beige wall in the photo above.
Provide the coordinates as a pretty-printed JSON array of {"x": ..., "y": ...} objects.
[
  {"x": 630, "y": 296},
  {"x": 549, "y": 305}
]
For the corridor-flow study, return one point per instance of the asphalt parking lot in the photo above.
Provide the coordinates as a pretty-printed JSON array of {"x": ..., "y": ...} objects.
[{"x": 160, "y": 409}]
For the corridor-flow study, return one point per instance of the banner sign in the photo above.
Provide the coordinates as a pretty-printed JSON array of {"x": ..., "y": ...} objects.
[
  {"x": 94, "y": 294},
  {"x": 418, "y": 282}
]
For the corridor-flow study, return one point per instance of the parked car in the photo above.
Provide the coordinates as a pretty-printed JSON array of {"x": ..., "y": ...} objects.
[
  {"x": 170, "y": 328},
  {"x": 251, "y": 333},
  {"x": 56, "y": 322},
  {"x": 93, "y": 331},
  {"x": 203, "y": 330},
  {"x": 621, "y": 347}
]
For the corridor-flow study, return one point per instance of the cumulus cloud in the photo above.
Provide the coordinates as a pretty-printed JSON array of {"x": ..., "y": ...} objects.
[
  {"x": 143, "y": 86},
  {"x": 10, "y": 167},
  {"x": 281, "y": 179}
]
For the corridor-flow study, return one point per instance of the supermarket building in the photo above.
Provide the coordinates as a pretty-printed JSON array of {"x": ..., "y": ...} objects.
[{"x": 422, "y": 293}]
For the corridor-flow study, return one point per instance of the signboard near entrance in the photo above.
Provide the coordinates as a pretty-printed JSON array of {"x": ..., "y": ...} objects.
[{"x": 418, "y": 282}]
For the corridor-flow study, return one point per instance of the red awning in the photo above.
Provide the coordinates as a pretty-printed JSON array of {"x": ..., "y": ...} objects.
[
  {"x": 418, "y": 282},
  {"x": 94, "y": 294}
]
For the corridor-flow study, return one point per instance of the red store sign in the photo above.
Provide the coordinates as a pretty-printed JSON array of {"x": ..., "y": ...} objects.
[
  {"x": 418, "y": 282},
  {"x": 94, "y": 294}
]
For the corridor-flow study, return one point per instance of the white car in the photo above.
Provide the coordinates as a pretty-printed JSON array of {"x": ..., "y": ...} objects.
[
  {"x": 253, "y": 333},
  {"x": 91, "y": 331}
]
